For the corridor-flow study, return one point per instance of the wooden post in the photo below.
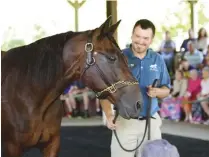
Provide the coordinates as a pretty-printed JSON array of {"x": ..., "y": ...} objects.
[
  {"x": 76, "y": 5},
  {"x": 112, "y": 10},
  {"x": 193, "y": 15}
]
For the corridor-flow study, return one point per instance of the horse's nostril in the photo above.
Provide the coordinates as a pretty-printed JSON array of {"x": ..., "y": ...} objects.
[{"x": 138, "y": 105}]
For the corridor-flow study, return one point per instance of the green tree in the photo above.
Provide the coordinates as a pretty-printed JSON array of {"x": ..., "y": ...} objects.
[
  {"x": 12, "y": 44},
  {"x": 202, "y": 19},
  {"x": 181, "y": 18},
  {"x": 40, "y": 32}
]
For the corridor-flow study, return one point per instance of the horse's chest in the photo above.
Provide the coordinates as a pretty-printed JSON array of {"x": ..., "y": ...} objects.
[
  {"x": 47, "y": 131},
  {"x": 45, "y": 135},
  {"x": 40, "y": 135}
]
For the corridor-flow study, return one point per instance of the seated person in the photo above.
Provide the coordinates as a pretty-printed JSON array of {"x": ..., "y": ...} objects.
[
  {"x": 205, "y": 92},
  {"x": 194, "y": 57},
  {"x": 69, "y": 100},
  {"x": 185, "y": 42},
  {"x": 81, "y": 89},
  {"x": 167, "y": 50},
  {"x": 171, "y": 107},
  {"x": 193, "y": 90},
  {"x": 185, "y": 67}
]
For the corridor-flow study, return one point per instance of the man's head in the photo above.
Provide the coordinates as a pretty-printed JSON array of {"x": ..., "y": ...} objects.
[
  {"x": 191, "y": 46},
  {"x": 167, "y": 35},
  {"x": 191, "y": 33},
  {"x": 142, "y": 35}
]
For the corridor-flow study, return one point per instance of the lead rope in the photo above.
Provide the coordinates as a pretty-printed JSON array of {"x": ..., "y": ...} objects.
[{"x": 147, "y": 125}]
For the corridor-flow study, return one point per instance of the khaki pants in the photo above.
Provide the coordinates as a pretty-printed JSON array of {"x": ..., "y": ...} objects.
[{"x": 130, "y": 133}]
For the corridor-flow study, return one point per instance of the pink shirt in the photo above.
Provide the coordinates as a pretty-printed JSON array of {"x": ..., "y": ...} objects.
[{"x": 194, "y": 87}]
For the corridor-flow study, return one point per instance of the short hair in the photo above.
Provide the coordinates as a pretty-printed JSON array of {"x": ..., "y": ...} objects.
[
  {"x": 191, "y": 43},
  {"x": 145, "y": 24}
]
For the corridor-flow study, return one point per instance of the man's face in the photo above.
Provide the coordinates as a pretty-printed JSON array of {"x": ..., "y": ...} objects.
[{"x": 141, "y": 39}]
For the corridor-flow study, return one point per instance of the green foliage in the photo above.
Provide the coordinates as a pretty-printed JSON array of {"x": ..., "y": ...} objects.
[
  {"x": 40, "y": 32},
  {"x": 202, "y": 19},
  {"x": 12, "y": 44},
  {"x": 182, "y": 22}
]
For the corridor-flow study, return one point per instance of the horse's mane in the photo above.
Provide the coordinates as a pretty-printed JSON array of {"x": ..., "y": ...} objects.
[{"x": 37, "y": 64}]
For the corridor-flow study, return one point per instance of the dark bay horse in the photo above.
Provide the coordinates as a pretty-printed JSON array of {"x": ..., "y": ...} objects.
[{"x": 34, "y": 76}]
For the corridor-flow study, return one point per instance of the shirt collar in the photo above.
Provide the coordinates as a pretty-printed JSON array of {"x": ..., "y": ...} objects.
[{"x": 148, "y": 54}]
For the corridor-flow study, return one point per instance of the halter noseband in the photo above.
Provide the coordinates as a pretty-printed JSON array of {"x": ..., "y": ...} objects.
[{"x": 90, "y": 61}]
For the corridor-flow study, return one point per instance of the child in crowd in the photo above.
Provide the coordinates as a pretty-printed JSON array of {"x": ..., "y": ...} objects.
[
  {"x": 193, "y": 90},
  {"x": 185, "y": 67},
  {"x": 171, "y": 107},
  {"x": 205, "y": 92}
]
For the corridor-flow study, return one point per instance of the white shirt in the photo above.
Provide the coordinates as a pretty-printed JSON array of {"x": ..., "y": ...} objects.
[
  {"x": 203, "y": 44},
  {"x": 195, "y": 58},
  {"x": 205, "y": 87}
]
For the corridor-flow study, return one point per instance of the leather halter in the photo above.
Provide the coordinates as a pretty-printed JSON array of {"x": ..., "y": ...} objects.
[{"x": 90, "y": 61}]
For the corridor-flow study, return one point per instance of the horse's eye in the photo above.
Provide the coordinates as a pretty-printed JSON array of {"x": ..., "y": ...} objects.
[{"x": 112, "y": 58}]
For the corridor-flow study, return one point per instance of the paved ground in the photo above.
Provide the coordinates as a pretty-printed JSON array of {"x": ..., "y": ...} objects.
[
  {"x": 198, "y": 131},
  {"x": 94, "y": 141}
]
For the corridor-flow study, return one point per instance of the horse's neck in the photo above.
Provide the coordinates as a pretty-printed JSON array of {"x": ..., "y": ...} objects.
[{"x": 53, "y": 94}]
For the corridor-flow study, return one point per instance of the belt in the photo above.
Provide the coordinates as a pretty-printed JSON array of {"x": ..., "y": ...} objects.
[{"x": 144, "y": 118}]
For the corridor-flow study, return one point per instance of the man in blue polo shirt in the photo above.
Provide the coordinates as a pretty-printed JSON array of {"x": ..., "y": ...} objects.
[{"x": 146, "y": 66}]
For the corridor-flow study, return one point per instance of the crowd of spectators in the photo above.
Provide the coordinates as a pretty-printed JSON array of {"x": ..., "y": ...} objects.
[
  {"x": 72, "y": 103},
  {"x": 189, "y": 70}
]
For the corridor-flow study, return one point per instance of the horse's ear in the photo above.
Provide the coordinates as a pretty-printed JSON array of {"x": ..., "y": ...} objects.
[
  {"x": 113, "y": 28},
  {"x": 105, "y": 26}
]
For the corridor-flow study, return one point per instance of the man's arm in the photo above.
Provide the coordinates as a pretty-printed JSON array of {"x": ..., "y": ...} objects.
[
  {"x": 106, "y": 106},
  {"x": 162, "y": 92}
]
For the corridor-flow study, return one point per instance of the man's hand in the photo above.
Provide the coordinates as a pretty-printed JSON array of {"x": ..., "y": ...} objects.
[
  {"x": 160, "y": 93},
  {"x": 106, "y": 106},
  {"x": 110, "y": 123},
  {"x": 152, "y": 92}
]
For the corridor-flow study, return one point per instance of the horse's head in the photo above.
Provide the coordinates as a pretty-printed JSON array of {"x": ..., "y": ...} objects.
[{"x": 104, "y": 69}]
